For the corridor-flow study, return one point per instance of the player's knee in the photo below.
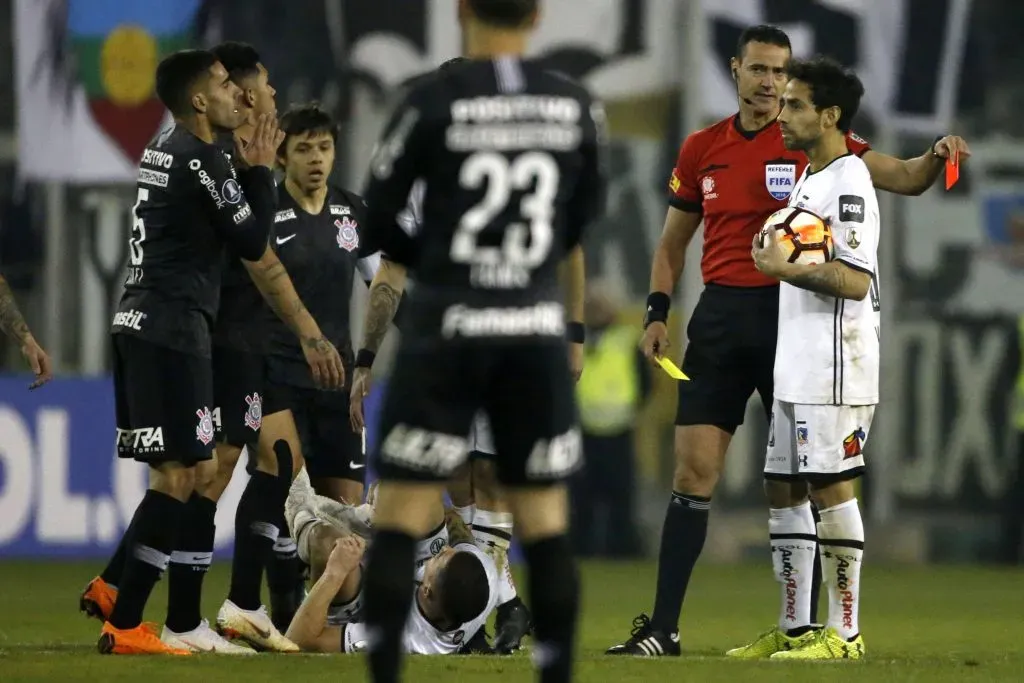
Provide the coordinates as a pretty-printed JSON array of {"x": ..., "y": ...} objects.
[
  {"x": 173, "y": 479},
  {"x": 785, "y": 494},
  {"x": 827, "y": 494},
  {"x": 700, "y": 456},
  {"x": 205, "y": 477},
  {"x": 487, "y": 492}
]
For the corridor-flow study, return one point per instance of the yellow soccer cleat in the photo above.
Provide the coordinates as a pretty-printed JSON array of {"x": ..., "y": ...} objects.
[
  {"x": 827, "y": 644},
  {"x": 770, "y": 642}
]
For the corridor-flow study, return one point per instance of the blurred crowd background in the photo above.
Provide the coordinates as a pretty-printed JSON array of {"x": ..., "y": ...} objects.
[{"x": 945, "y": 457}]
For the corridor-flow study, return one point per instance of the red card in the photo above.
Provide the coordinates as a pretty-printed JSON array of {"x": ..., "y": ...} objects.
[{"x": 952, "y": 171}]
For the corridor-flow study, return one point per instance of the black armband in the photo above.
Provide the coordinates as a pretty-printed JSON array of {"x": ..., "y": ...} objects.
[
  {"x": 364, "y": 358},
  {"x": 658, "y": 304},
  {"x": 575, "y": 332}
]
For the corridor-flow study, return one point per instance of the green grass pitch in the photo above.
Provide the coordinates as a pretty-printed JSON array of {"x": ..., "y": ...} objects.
[{"x": 920, "y": 624}]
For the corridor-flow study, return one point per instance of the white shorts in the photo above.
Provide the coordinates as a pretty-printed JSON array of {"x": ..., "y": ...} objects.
[
  {"x": 806, "y": 439},
  {"x": 480, "y": 437}
]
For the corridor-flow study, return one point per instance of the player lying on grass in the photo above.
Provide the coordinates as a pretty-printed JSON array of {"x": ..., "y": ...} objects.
[{"x": 456, "y": 582}]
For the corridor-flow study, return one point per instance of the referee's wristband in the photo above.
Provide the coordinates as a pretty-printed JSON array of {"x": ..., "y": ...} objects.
[
  {"x": 364, "y": 358},
  {"x": 937, "y": 140},
  {"x": 575, "y": 332},
  {"x": 658, "y": 304}
]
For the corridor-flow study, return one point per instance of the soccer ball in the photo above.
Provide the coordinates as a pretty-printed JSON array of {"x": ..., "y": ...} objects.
[{"x": 803, "y": 237}]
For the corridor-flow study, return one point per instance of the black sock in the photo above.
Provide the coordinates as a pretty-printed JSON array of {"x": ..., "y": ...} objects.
[
  {"x": 682, "y": 540},
  {"x": 115, "y": 567},
  {"x": 189, "y": 563},
  {"x": 284, "y": 577},
  {"x": 156, "y": 528},
  {"x": 816, "y": 577},
  {"x": 554, "y": 597},
  {"x": 387, "y": 596},
  {"x": 255, "y": 535}
]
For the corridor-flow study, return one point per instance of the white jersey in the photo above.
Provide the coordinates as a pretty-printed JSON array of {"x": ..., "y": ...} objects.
[
  {"x": 421, "y": 637},
  {"x": 828, "y": 348}
]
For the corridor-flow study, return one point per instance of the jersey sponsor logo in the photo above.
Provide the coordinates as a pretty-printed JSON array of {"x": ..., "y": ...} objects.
[
  {"x": 231, "y": 192},
  {"x": 545, "y": 319},
  {"x": 423, "y": 451},
  {"x": 779, "y": 179},
  {"x": 204, "y": 430},
  {"x": 856, "y": 138},
  {"x": 209, "y": 183},
  {"x": 673, "y": 182},
  {"x": 286, "y": 215},
  {"x": 348, "y": 238},
  {"x": 130, "y": 319},
  {"x": 339, "y": 210},
  {"x": 707, "y": 186},
  {"x": 157, "y": 158},
  {"x": 852, "y": 444},
  {"x": 141, "y": 440},
  {"x": 437, "y": 545},
  {"x": 853, "y": 238},
  {"x": 254, "y": 412},
  {"x": 149, "y": 177},
  {"x": 851, "y": 208},
  {"x": 242, "y": 213},
  {"x": 195, "y": 164}
]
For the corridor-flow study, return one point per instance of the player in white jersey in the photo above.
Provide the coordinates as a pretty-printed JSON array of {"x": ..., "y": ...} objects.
[
  {"x": 457, "y": 583},
  {"x": 826, "y": 370}
]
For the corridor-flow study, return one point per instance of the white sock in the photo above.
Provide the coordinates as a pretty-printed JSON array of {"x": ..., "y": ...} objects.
[
  {"x": 793, "y": 543},
  {"x": 841, "y": 534},
  {"x": 493, "y": 534},
  {"x": 466, "y": 513}
]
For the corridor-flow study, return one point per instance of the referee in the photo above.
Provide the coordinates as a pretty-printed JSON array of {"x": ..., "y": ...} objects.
[{"x": 732, "y": 176}]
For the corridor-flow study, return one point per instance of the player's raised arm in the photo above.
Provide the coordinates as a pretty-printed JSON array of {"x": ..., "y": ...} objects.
[
  {"x": 913, "y": 176},
  {"x": 309, "y": 628}
]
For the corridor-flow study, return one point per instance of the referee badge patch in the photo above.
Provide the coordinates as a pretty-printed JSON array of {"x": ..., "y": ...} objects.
[
  {"x": 779, "y": 179},
  {"x": 348, "y": 238}
]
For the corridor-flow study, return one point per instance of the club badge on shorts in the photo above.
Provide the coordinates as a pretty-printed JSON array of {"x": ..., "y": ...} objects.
[
  {"x": 348, "y": 238},
  {"x": 779, "y": 179},
  {"x": 204, "y": 430},
  {"x": 254, "y": 413}
]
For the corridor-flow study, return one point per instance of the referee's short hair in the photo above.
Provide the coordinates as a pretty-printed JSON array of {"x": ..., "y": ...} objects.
[
  {"x": 503, "y": 13},
  {"x": 831, "y": 85},
  {"x": 177, "y": 74},
  {"x": 762, "y": 33}
]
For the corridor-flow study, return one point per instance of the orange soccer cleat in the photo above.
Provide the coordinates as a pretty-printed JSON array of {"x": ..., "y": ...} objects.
[
  {"x": 140, "y": 640},
  {"x": 98, "y": 599}
]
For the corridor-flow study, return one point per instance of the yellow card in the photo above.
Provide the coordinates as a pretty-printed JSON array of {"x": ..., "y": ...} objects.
[{"x": 670, "y": 369}]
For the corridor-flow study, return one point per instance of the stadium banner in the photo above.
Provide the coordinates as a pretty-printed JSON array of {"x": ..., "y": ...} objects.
[
  {"x": 85, "y": 83},
  {"x": 908, "y": 53},
  {"x": 63, "y": 490}
]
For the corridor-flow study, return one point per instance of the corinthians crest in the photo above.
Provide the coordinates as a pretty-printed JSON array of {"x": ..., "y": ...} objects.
[
  {"x": 348, "y": 238},
  {"x": 254, "y": 413},
  {"x": 204, "y": 430}
]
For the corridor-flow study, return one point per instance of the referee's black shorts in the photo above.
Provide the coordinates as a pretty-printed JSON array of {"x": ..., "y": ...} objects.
[{"x": 730, "y": 354}]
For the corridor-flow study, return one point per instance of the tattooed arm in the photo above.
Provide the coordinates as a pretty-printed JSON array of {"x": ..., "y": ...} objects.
[
  {"x": 14, "y": 326},
  {"x": 272, "y": 280},
  {"x": 834, "y": 278}
]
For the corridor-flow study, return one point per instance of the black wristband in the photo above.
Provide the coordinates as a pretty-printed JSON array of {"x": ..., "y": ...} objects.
[
  {"x": 364, "y": 358},
  {"x": 938, "y": 138},
  {"x": 575, "y": 332},
  {"x": 658, "y": 304}
]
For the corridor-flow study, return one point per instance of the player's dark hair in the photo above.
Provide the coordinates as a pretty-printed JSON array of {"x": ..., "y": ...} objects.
[
  {"x": 831, "y": 85},
  {"x": 462, "y": 588},
  {"x": 177, "y": 74},
  {"x": 503, "y": 13},
  {"x": 240, "y": 59},
  {"x": 306, "y": 119},
  {"x": 762, "y": 33}
]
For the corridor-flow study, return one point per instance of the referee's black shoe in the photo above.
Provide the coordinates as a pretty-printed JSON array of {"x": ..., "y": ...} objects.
[
  {"x": 645, "y": 641},
  {"x": 511, "y": 625}
]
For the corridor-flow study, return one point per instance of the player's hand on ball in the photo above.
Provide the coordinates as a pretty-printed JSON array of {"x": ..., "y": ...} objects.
[
  {"x": 766, "y": 254},
  {"x": 261, "y": 150},
  {"x": 347, "y": 553},
  {"x": 576, "y": 361},
  {"x": 37, "y": 359},
  {"x": 952, "y": 147},
  {"x": 324, "y": 362},
  {"x": 360, "y": 389},
  {"x": 655, "y": 343}
]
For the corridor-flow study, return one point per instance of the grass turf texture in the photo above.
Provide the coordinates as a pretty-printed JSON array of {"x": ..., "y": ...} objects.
[{"x": 920, "y": 624}]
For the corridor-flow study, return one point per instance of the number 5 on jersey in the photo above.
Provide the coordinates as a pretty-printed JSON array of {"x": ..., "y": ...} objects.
[
  {"x": 528, "y": 233},
  {"x": 138, "y": 230}
]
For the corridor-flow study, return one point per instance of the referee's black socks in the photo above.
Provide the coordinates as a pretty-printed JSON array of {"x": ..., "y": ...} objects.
[
  {"x": 190, "y": 562},
  {"x": 682, "y": 540},
  {"x": 554, "y": 599},
  {"x": 388, "y": 584},
  {"x": 256, "y": 532},
  {"x": 148, "y": 548}
]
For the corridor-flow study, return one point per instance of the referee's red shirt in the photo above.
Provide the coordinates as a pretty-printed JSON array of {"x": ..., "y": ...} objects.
[{"x": 736, "y": 179}]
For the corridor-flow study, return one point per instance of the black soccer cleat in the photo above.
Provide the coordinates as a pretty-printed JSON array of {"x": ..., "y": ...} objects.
[
  {"x": 645, "y": 641},
  {"x": 511, "y": 625},
  {"x": 477, "y": 645}
]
